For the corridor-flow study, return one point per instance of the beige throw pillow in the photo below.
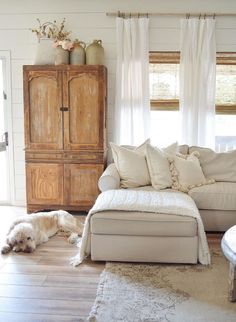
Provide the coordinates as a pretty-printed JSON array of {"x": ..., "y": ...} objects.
[
  {"x": 131, "y": 165},
  {"x": 187, "y": 172},
  {"x": 158, "y": 165}
]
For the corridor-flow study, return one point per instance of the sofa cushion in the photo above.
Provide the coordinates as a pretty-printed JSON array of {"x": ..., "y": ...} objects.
[
  {"x": 218, "y": 196},
  {"x": 142, "y": 224},
  {"x": 131, "y": 165},
  {"x": 219, "y": 166},
  {"x": 187, "y": 172},
  {"x": 158, "y": 165}
]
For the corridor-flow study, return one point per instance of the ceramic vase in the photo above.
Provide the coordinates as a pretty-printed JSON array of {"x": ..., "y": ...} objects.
[
  {"x": 61, "y": 56},
  {"x": 45, "y": 54},
  {"x": 77, "y": 55},
  {"x": 95, "y": 53}
]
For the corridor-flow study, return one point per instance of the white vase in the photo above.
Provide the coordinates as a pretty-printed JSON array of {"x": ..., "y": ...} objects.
[{"x": 45, "y": 54}]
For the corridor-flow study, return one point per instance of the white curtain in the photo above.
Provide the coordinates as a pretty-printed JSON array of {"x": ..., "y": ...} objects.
[
  {"x": 197, "y": 81},
  {"x": 132, "y": 110}
]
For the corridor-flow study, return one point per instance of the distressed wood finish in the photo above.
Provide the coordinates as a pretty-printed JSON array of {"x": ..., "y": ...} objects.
[
  {"x": 44, "y": 183},
  {"x": 81, "y": 183},
  {"x": 64, "y": 135},
  {"x": 232, "y": 282},
  {"x": 86, "y": 103},
  {"x": 43, "y": 118}
]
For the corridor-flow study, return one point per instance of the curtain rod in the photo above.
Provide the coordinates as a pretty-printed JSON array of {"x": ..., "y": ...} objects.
[{"x": 187, "y": 15}]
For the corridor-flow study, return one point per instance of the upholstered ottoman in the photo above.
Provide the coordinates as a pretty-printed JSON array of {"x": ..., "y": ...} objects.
[
  {"x": 228, "y": 245},
  {"x": 143, "y": 237}
]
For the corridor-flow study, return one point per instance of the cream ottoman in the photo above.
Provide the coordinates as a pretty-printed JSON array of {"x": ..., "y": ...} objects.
[
  {"x": 228, "y": 245},
  {"x": 143, "y": 237}
]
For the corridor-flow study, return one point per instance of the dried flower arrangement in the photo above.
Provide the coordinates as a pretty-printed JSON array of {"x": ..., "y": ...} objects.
[
  {"x": 52, "y": 30},
  {"x": 65, "y": 44},
  {"x": 56, "y": 32}
]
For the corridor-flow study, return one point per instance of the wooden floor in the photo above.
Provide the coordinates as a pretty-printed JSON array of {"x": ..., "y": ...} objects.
[{"x": 42, "y": 286}]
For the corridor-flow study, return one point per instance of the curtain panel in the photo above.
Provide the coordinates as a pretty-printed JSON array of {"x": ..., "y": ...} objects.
[
  {"x": 132, "y": 104},
  {"x": 197, "y": 81}
]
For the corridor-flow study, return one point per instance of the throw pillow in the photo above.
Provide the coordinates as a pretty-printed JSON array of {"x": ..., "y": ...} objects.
[
  {"x": 131, "y": 165},
  {"x": 187, "y": 172},
  {"x": 158, "y": 165}
]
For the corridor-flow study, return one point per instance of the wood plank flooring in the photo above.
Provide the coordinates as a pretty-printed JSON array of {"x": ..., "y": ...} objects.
[{"x": 42, "y": 286}]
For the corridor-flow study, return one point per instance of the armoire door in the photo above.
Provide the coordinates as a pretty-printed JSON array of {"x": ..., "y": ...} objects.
[
  {"x": 81, "y": 184},
  {"x": 42, "y": 103},
  {"x": 44, "y": 183},
  {"x": 85, "y": 96}
]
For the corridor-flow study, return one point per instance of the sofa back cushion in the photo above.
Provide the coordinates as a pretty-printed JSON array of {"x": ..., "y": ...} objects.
[
  {"x": 219, "y": 166},
  {"x": 183, "y": 149}
]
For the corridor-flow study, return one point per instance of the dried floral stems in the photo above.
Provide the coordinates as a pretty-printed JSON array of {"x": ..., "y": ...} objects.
[{"x": 52, "y": 30}]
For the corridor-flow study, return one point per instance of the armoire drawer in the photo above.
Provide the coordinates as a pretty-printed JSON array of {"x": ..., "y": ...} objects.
[
  {"x": 43, "y": 156},
  {"x": 91, "y": 157}
]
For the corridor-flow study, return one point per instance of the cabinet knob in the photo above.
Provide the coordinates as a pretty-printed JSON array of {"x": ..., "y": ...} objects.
[{"x": 64, "y": 109}]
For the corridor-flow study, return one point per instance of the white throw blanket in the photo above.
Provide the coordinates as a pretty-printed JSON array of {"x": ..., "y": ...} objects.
[{"x": 165, "y": 202}]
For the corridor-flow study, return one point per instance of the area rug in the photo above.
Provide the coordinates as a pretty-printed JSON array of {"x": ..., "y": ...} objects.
[{"x": 160, "y": 292}]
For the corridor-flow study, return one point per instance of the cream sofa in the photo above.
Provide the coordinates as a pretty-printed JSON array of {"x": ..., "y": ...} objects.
[{"x": 145, "y": 237}]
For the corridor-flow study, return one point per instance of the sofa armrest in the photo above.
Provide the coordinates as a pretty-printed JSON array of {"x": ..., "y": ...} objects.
[{"x": 110, "y": 179}]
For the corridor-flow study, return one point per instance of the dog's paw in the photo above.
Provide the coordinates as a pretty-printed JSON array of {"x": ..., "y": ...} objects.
[
  {"x": 73, "y": 238},
  {"x": 63, "y": 233},
  {"x": 5, "y": 249}
]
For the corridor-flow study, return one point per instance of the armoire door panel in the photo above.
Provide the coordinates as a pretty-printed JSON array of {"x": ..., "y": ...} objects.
[
  {"x": 81, "y": 183},
  {"x": 43, "y": 99},
  {"x": 84, "y": 122},
  {"x": 44, "y": 183}
]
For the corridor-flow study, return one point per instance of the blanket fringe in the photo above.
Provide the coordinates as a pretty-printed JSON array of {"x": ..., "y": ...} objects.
[{"x": 76, "y": 260}]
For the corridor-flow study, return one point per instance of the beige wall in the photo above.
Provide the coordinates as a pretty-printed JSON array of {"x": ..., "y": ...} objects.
[{"x": 88, "y": 21}]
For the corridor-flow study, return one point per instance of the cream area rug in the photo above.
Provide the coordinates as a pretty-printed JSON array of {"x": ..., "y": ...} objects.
[{"x": 160, "y": 292}]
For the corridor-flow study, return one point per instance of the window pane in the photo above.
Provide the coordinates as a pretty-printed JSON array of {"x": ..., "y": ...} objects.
[
  {"x": 226, "y": 84},
  {"x": 225, "y": 132},
  {"x": 164, "y": 127},
  {"x": 164, "y": 81},
  {"x": 164, "y": 85}
]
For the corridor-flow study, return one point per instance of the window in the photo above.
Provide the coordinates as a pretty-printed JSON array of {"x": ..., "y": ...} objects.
[{"x": 164, "y": 94}]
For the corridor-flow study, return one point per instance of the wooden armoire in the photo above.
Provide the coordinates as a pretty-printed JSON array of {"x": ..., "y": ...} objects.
[{"x": 65, "y": 148}]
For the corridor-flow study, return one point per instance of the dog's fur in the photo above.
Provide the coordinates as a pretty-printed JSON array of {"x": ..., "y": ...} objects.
[{"x": 28, "y": 231}]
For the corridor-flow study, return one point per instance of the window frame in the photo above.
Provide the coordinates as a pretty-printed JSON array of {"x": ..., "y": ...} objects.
[
  {"x": 173, "y": 57},
  {"x": 5, "y": 56}
]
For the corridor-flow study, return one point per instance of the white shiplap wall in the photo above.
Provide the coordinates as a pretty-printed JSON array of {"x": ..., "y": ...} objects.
[{"x": 87, "y": 20}]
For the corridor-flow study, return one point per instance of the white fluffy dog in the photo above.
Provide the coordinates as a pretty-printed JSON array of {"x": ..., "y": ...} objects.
[{"x": 28, "y": 231}]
